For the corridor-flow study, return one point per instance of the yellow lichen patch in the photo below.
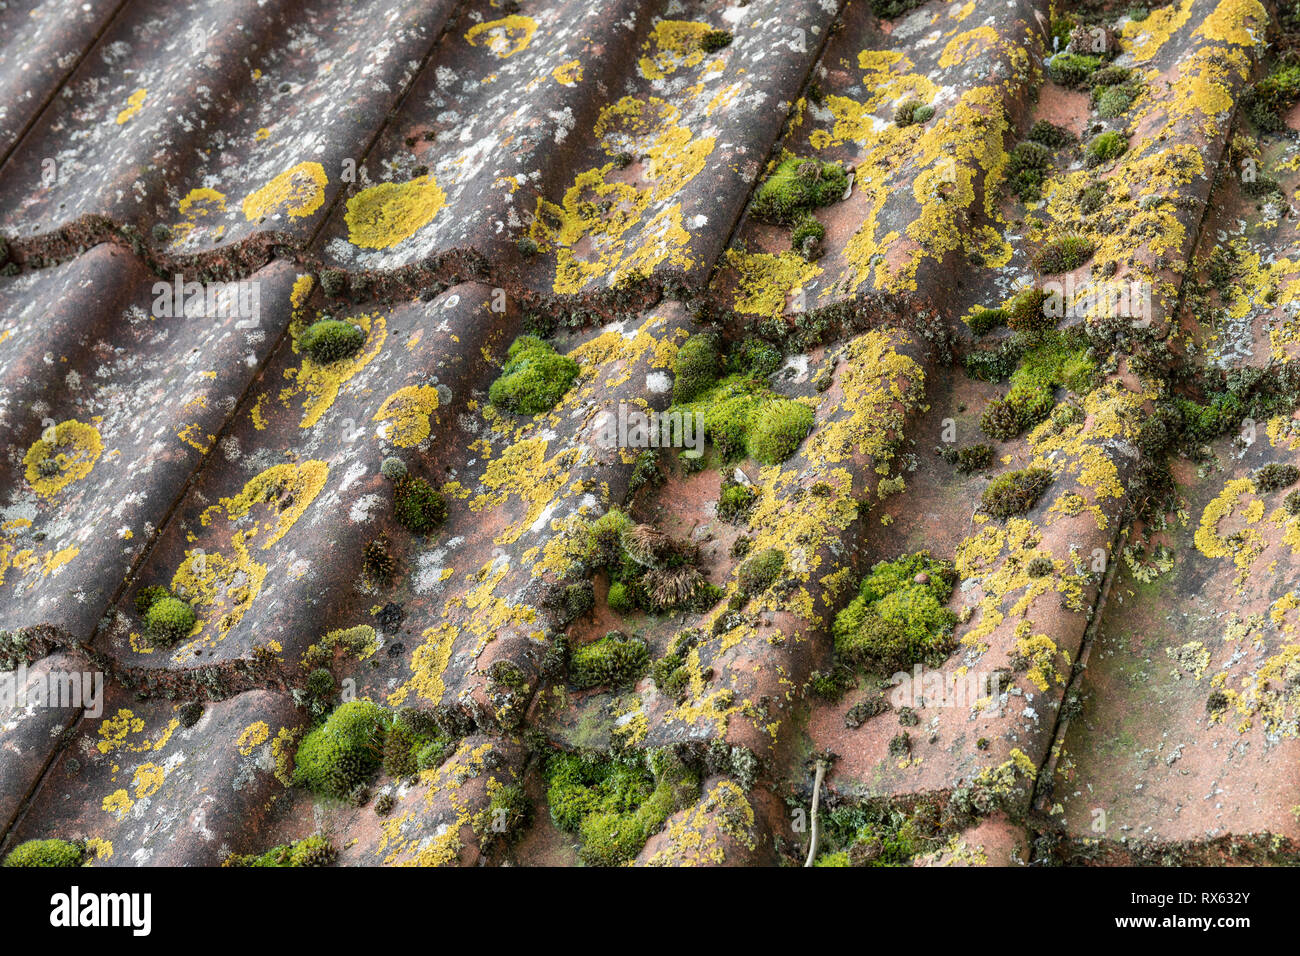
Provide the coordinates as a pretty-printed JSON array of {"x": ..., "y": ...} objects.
[
  {"x": 674, "y": 45},
  {"x": 523, "y": 470},
  {"x": 212, "y": 580},
  {"x": 115, "y": 733},
  {"x": 765, "y": 282},
  {"x": 410, "y": 411},
  {"x": 1038, "y": 655},
  {"x": 297, "y": 192},
  {"x": 286, "y": 490},
  {"x": 504, "y": 37},
  {"x": 1240, "y": 22},
  {"x": 71, "y": 448},
  {"x": 967, "y": 45},
  {"x": 428, "y": 665},
  {"x": 282, "y": 753},
  {"x": 323, "y": 382},
  {"x": 118, "y": 802},
  {"x": 302, "y": 287},
  {"x": 134, "y": 103},
  {"x": 382, "y": 216},
  {"x": 198, "y": 204},
  {"x": 568, "y": 74},
  {"x": 694, "y": 838},
  {"x": 147, "y": 780},
  {"x": 252, "y": 737},
  {"x": 1147, "y": 37}
]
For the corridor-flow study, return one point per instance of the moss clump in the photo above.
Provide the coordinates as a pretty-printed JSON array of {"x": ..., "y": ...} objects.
[
  {"x": 1049, "y": 135},
  {"x": 796, "y": 187},
  {"x": 1114, "y": 101},
  {"x": 755, "y": 357},
  {"x": 620, "y": 599},
  {"x": 1291, "y": 503},
  {"x": 615, "y": 804},
  {"x": 1273, "y": 95},
  {"x": 333, "y": 282},
  {"x": 1071, "y": 69},
  {"x": 806, "y": 237},
  {"x": 913, "y": 111},
  {"x": 46, "y": 853},
  {"x": 614, "y": 660},
  {"x": 865, "y": 835},
  {"x": 534, "y": 377},
  {"x": 715, "y": 40},
  {"x": 320, "y": 683},
  {"x": 1275, "y": 477},
  {"x": 898, "y": 617},
  {"x": 736, "y": 501},
  {"x": 776, "y": 431},
  {"x": 377, "y": 561},
  {"x": 1027, "y": 166},
  {"x": 392, "y": 468},
  {"x": 696, "y": 367},
  {"x": 670, "y": 673},
  {"x": 1064, "y": 253},
  {"x": 1040, "y": 567},
  {"x": 169, "y": 619},
  {"x": 330, "y": 340},
  {"x": 1105, "y": 147},
  {"x": 313, "y": 851},
  {"x": 344, "y": 752},
  {"x": 146, "y": 597},
  {"x": 417, "y": 507},
  {"x": 1034, "y": 311},
  {"x": 983, "y": 321},
  {"x": 760, "y": 572},
  {"x": 742, "y": 416},
  {"x": 969, "y": 458},
  {"x": 1015, "y": 492}
]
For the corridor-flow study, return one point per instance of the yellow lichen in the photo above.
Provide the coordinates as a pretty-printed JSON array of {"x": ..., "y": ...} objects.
[
  {"x": 382, "y": 216},
  {"x": 297, "y": 192}
]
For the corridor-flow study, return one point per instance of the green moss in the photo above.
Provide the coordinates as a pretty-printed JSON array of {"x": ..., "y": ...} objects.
[
  {"x": 875, "y": 835},
  {"x": 898, "y": 616},
  {"x": 736, "y": 501},
  {"x": 742, "y": 416},
  {"x": 320, "y": 683},
  {"x": 912, "y": 111},
  {"x": 755, "y": 357},
  {"x": 46, "y": 853},
  {"x": 1049, "y": 135},
  {"x": 506, "y": 814},
  {"x": 670, "y": 674},
  {"x": 983, "y": 321},
  {"x": 333, "y": 282},
  {"x": 146, "y": 597},
  {"x": 1027, "y": 166},
  {"x": 620, "y": 599},
  {"x": 1015, "y": 492},
  {"x": 1064, "y": 253},
  {"x": 1034, "y": 311},
  {"x": 760, "y": 572},
  {"x": 796, "y": 187},
  {"x": 169, "y": 619},
  {"x": 315, "y": 850},
  {"x": 805, "y": 236},
  {"x": 715, "y": 40},
  {"x": 1115, "y": 101},
  {"x": 615, "y": 804},
  {"x": 1105, "y": 147},
  {"x": 344, "y": 752},
  {"x": 1272, "y": 96},
  {"x": 1291, "y": 503},
  {"x": 614, "y": 660},
  {"x": 696, "y": 367},
  {"x": 330, "y": 340},
  {"x": 1274, "y": 477},
  {"x": 776, "y": 428},
  {"x": 969, "y": 458},
  {"x": 417, "y": 507},
  {"x": 1071, "y": 69},
  {"x": 534, "y": 377}
]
